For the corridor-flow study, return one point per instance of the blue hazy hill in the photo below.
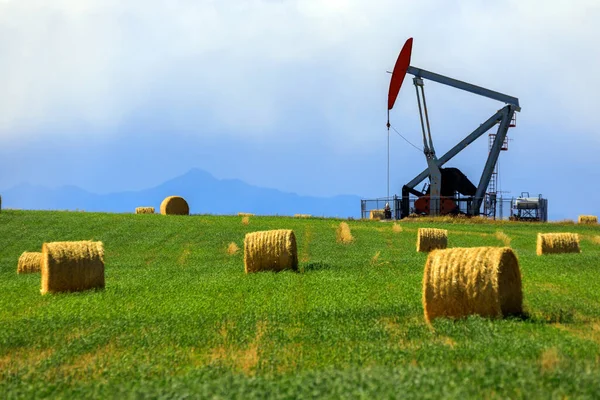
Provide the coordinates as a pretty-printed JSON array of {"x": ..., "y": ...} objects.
[{"x": 204, "y": 193}]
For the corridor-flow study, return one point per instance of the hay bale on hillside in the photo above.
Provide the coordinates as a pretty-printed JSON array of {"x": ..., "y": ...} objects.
[
  {"x": 270, "y": 251},
  {"x": 29, "y": 262},
  {"x": 485, "y": 281},
  {"x": 554, "y": 243},
  {"x": 144, "y": 210},
  {"x": 588, "y": 219},
  {"x": 174, "y": 205},
  {"x": 302, "y": 215},
  {"x": 343, "y": 233},
  {"x": 429, "y": 239},
  {"x": 72, "y": 266},
  {"x": 245, "y": 214},
  {"x": 376, "y": 214}
]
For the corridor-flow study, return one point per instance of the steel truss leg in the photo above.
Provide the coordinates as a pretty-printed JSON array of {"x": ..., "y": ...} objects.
[{"x": 490, "y": 164}]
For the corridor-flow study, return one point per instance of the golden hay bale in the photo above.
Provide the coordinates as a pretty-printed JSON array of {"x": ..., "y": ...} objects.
[
  {"x": 464, "y": 281},
  {"x": 431, "y": 239},
  {"x": 343, "y": 233},
  {"x": 587, "y": 219},
  {"x": 144, "y": 210},
  {"x": 174, "y": 205},
  {"x": 553, "y": 243},
  {"x": 245, "y": 214},
  {"x": 72, "y": 266},
  {"x": 29, "y": 262},
  {"x": 270, "y": 251},
  {"x": 232, "y": 248},
  {"x": 302, "y": 215},
  {"x": 376, "y": 214}
]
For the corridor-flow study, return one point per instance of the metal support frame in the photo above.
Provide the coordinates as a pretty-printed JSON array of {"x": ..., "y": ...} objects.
[
  {"x": 499, "y": 116},
  {"x": 503, "y": 116},
  {"x": 483, "y": 128},
  {"x": 490, "y": 164}
]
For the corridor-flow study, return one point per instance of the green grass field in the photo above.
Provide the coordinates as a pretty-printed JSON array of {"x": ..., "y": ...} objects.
[{"x": 179, "y": 318}]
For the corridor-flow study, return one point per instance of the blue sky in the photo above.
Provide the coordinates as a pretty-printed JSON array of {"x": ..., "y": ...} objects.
[{"x": 110, "y": 95}]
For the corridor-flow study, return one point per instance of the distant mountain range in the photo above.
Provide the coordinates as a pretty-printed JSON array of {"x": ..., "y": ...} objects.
[{"x": 204, "y": 193}]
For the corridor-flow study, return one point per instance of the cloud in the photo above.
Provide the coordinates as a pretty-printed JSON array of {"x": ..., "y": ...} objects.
[{"x": 250, "y": 68}]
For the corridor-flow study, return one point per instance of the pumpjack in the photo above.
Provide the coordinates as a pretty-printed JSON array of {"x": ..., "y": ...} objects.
[{"x": 446, "y": 184}]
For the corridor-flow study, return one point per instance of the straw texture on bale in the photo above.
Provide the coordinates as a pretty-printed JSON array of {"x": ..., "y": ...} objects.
[
  {"x": 270, "y": 251},
  {"x": 144, "y": 210},
  {"x": 429, "y": 239},
  {"x": 174, "y": 205},
  {"x": 376, "y": 214},
  {"x": 483, "y": 281},
  {"x": 72, "y": 266},
  {"x": 587, "y": 219},
  {"x": 554, "y": 243},
  {"x": 29, "y": 262}
]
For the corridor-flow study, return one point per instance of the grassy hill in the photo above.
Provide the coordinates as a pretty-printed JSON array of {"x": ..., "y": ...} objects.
[{"x": 180, "y": 318}]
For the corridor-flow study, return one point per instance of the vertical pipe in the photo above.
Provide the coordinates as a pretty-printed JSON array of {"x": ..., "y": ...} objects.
[{"x": 388, "y": 153}]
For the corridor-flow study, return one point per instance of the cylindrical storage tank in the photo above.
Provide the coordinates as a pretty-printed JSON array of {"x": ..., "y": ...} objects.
[
  {"x": 29, "y": 262},
  {"x": 554, "y": 243},
  {"x": 485, "y": 281},
  {"x": 270, "y": 251},
  {"x": 72, "y": 266},
  {"x": 174, "y": 205},
  {"x": 527, "y": 203},
  {"x": 429, "y": 239}
]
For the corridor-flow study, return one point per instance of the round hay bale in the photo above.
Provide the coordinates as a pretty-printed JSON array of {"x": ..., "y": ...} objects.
[
  {"x": 429, "y": 239},
  {"x": 554, "y": 243},
  {"x": 376, "y": 214},
  {"x": 270, "y": 251},
  {"x": 245, "y": 214},
  {"x": 29, "y": 262},
  {"x": 302, "y": 215},
  {"x": 174, "y": 205},
  {"x": 144, "y": 210},
  {"x": 587, "y": 219},
  {"x": 485, "y": 281},
  {"x": 72, "y": 266}
]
